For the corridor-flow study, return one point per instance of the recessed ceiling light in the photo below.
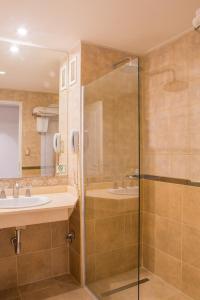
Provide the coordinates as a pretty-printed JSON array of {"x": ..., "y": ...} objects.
[
  {"x": 22, "y": 31},
  {"x": 2, "y": 72},
  {"x": 14, "y": 49}
]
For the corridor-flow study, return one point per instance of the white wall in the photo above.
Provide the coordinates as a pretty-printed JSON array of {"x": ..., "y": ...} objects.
[{"x": 9, "y": 141}]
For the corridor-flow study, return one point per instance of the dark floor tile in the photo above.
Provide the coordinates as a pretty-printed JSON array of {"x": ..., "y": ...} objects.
[{"x": 48, "y": 288}]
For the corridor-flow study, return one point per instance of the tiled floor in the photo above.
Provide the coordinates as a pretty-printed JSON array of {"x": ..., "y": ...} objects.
[
  {"x": 66, "y": 288},
  {"x": 60, "y": 288},
  {"x": 154, "y": 289}
]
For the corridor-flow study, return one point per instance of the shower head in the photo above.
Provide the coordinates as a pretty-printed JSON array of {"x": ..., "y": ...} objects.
[
  {"x": 174, "y": 84},
  {"x": 129, "y": 61},
  {"x": 196, "y": 20}
]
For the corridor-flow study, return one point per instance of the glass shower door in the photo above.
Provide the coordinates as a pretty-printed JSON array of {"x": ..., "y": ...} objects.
[{"x": 111, "y": 169}]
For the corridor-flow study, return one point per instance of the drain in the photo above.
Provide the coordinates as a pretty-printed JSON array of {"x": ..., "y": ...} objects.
[{"x": 125, "y": 287}]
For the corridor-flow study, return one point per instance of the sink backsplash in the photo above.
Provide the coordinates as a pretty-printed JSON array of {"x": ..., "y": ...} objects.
[{"x": 35, "y": 181}]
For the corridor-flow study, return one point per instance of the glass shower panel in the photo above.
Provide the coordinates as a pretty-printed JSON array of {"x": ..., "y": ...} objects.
[{"x": 111, "y": 168}]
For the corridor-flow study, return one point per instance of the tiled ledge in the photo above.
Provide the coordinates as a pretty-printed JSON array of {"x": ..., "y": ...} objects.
[{"x": 36, "y": 181}]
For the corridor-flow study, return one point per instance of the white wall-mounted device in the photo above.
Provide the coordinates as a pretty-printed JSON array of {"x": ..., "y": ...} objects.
[
  {"x": 75, "y": 141},
  {"x": 57, "y": 142}
]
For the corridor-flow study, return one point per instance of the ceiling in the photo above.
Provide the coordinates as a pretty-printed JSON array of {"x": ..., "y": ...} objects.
[{"x": 131, "y": 25}]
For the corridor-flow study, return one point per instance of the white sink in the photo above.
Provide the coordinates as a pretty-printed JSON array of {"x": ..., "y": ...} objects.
[{"x": 23, "y": 202}]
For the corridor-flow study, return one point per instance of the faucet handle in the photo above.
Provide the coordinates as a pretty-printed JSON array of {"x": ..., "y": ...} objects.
[
  {"x": 16, "y": 185},
  {"x": 3, "y": 193},
  {"x": 28, "y": 190}
]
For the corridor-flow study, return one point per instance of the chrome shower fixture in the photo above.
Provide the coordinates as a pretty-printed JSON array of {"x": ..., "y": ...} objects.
[
  {"x": 129, "y": 60},
  {"x": 196, "y": 20}
]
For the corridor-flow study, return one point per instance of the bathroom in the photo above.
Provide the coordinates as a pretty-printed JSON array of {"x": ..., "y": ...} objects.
[{"x": 100, "y": 150}]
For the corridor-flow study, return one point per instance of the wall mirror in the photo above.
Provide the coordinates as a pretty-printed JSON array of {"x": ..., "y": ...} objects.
[{"x": 29, "y": 110}]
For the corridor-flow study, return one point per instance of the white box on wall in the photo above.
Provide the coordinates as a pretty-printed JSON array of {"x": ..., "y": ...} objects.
[
  {"x": 64, "y": 77},
  {"x": 72, "y": 70}
]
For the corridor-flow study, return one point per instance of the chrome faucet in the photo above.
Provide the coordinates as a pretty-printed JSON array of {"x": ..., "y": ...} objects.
[
  {"x": 16, "y": 188},
  {"x": 3, "y": 193},
  {"x": 28, "y": 190},
  {"x": 135, "y": 174}
]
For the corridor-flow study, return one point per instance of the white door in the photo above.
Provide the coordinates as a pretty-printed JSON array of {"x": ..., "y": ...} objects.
[{"x": 9, "y": 141}]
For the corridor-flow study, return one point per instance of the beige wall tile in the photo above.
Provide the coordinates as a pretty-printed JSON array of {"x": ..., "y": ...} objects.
[
  {"x": 109, "y": 233},
  {"x": 59, "y": 230},
  {"x": 8, "y": 273},
  {"x": 90, "y": 268},
  {"x": 148, "y": 257},
  {"x": 36, "y": 237},
  {"x": 34, "y": 267},
  {"x": 148, "y": 196},
  {"x": 60, "y": 263},
  {"x": 168, "y": 268},
  {"x": 75, "y": 227},
  {"x": 116, "y": 261},
  {"x": 149, "y": 229},
  {"x": 191, "y": 246},
  {"x": 6, "y": 248},
  {"x": 75, "y": 260},
  {"x": 191, "y": 206},
  {"x": 168, "y": 237},
  {"x": 190, "y": 281},
  {"x": 90, "y": 237},
  {"x": 131, "y": 235}
]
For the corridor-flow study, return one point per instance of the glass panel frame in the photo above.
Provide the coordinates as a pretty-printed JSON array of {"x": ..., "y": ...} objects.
[{"x": 105, "y": 220}]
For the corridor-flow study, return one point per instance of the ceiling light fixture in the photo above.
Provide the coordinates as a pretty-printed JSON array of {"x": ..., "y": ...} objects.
[
  {"x": 22, "y": 31},
  {"x": 2, "y": 72},
  {"x": 14, "y": 49}
]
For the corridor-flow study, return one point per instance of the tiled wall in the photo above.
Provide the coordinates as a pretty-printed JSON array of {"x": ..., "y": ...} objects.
[
  {"x": 44, "y": 254},
  {"x": 30, "y": 137},
  {"x": 170, "y": 109},
  {"x": 171, "y": 148},
  {"x": 97, "y": 61},
  {"x": 171, "y": 234},
  {"x": 111, "y": 237}
]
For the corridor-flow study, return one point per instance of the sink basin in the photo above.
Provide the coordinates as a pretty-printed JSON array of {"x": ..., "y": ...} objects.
[{"x": 23, "y": 202}]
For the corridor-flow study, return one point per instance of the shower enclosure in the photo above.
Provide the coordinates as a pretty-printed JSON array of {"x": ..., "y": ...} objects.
[{"x": 111, "y": 183}]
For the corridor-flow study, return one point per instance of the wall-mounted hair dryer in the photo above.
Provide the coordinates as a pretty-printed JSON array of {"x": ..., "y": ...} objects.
[
  {"x": 75, "y": 141},
  {"x": 57, "y": 143}
]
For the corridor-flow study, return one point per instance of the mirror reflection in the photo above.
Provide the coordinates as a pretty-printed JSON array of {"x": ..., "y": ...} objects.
[{"x": 29, "y": 110}]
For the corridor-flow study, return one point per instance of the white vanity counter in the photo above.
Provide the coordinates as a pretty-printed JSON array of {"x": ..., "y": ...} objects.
[{"x": 59, "y": 208}]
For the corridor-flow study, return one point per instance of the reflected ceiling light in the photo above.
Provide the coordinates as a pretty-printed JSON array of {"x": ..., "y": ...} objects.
[
  {"x": 22, "y": 31},
  {"x": 2, "y": 72},
  {"x": 14, "y": 49}
]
